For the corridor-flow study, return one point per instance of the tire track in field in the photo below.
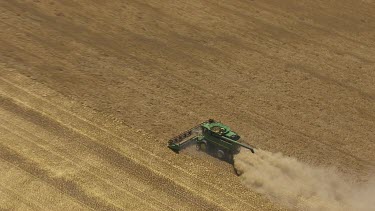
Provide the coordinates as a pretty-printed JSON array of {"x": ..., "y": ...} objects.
[
  {"x": 279, "y": 14},
  {"x": 25, "y": 184},
  {"x": 18, "y": 197},
  {"x": 185, "y": 82},
  {"x": 331, "y": 81},
  {"x": 244, "y": 197},
  {"x": 105, "y": 47},
  {"x": 36, "y": 179},
  {"x": 111, "y": 156},
  {"x": 152, "y": 176},
  {"x": 225, "y": 9},
  {"x": 307, "y": 135},
  {"x": 86, "y": 170},
  {"x": 72, "y": 157},
  {"x": 291, "y": 130},
  {"x": 68, "y": 187},
  {"x": 284, "y": 126},
  {"x": 115, "y": 156}
]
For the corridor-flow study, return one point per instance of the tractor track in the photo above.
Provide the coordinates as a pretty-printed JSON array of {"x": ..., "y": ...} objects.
[
  {"x": 112, "y": 155},
  {"x": 90, "y": 92},
  {"x": 8, "y": 192},
  {"x": 259, "y": 123},
  {"x": 67, "y": 187},
  {"x": 262, "y": 117},
  {"x": 31, "y": 177},
  {"x": 89, "y": 169},
  {"x": 17, "y": 96}
]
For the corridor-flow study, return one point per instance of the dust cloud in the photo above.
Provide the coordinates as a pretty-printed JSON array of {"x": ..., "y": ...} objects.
[{"x": 299, "y": 186}]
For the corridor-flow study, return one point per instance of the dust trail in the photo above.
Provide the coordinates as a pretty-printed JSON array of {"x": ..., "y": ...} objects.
[{"x": 301, "y": 186}]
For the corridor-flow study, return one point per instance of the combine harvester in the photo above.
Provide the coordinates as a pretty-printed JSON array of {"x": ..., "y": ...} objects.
[{"x": 211, "y": 137}]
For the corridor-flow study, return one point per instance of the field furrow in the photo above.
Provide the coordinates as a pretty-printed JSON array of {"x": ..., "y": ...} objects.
[{"x": 91, "y": 91}]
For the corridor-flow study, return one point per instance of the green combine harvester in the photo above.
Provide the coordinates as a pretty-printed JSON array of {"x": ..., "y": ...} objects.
[{"x": 212, "y": 137}]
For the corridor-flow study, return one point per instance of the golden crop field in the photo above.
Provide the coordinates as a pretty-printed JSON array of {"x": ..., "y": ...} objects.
[{"x": 91, "y": 91}]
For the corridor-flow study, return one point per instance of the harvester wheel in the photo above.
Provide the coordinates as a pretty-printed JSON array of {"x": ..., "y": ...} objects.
[
  {"x": 220, "y": 154},
  {"x": 202, "y": 146}
]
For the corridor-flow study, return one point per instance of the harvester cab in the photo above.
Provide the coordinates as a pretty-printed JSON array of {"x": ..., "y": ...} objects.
[{"x": 211, "y": 137}]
